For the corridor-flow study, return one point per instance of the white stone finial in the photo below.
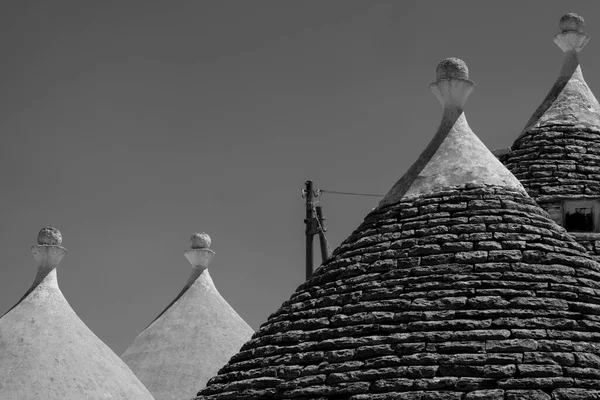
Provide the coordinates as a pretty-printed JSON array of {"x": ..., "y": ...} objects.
[
  {"x": 48, "y": 252},
  {"x": 49, "y": 235},
  {"x": 571, "y": 37},
  {"x": 452, "y": 68},
  {"x": 200, "y": 240},
  {"x": 200, "y": 255},
  {"x": 571, "y": 22},
  {"x": 453, "y": 86}
]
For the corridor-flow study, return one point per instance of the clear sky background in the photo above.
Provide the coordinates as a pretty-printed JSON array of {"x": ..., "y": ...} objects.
[{"x": 129, "y": 125}]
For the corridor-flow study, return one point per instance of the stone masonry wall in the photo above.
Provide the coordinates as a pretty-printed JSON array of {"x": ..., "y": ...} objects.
[
  {"x": 557, "y": 160},
  {"x": 590, "y": 241},
  {"x": 558, "y": 163},
  {"x": 472, "y": 293}
]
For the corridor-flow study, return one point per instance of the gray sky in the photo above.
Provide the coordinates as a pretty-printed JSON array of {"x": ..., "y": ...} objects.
[{"x": 129, "y": 125}]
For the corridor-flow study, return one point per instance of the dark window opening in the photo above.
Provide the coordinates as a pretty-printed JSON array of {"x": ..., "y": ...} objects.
[{"x": 581, "y": 220}]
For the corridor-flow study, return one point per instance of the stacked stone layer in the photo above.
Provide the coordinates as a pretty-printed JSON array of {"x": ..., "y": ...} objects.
[
  {"x": 557, "y": 161},
  {"x": 469, "y": 293},
  {"x": 590, "y": 241}
]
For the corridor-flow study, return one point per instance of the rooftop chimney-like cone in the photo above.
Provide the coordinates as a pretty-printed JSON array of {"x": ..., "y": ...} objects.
[
  {"x": 192, "y": 338},
  {"x": 458, "y": 286},
  {"x": 48, "y": 353}
]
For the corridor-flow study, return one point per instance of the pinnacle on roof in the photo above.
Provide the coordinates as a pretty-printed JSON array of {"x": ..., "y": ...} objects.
[
  {"x": 200, "y": 241},
  {"x": 47, "y": 352},
  {"x": 192, "y": 338},
  {"x": 455, "y": 155},
  {"x": 556, "y": 157},
  {"x": 570, "y": 101},
  {"x": 461, "y": 292},
  {"x": 49, "y": 235}
]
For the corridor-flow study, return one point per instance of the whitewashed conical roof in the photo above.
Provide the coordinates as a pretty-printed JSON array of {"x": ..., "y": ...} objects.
[
  {"x": 48, "y": 353},
  {"x": 192, "y": 338},
  {"x": 455, "y": 156},
  {"x": 570, "y": 102}
]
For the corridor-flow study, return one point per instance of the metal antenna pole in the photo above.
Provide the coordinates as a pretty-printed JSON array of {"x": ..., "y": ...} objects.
[
  {"x": 311, "y": 228},
  {"x": 322, "y": 230}
]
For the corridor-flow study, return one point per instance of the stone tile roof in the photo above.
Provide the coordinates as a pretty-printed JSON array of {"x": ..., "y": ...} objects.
[
  {"x": 465, "y": 292},
  {"x": 192, "y": 338},
  {"x": 48, "y": 353},
  {"x": 557, "y": 161},
  {"x": 558, "y": 153}
]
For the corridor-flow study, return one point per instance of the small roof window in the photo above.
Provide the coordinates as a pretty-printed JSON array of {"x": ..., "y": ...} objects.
[{"x": 581, "y": 216}]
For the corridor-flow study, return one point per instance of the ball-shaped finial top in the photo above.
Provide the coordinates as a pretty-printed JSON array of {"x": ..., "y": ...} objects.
[
  {"x": 452, "y": 68},
  {"x": 200, "y": 241},
  {"x": 49, "y": 236},
  {"x": 571, "y": 22}
]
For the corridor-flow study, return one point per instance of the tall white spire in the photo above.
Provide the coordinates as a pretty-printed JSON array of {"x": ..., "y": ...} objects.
[
  {"x": 47, "y": 352},
  {"x": 192, "y": 338}
]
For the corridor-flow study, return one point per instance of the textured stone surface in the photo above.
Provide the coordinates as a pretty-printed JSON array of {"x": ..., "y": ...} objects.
[
  {"x": 590, "y": 241},
  {"x": 49, "y": 236},
  {"x": 452, "y": 68},
  {"x": 557, "y": 156},
  {"x": 571, "y": 22},
  {"x": 557, "y": 163},
  {"x": 200, "y": 241},
  {"x": 467, "y": 293}
]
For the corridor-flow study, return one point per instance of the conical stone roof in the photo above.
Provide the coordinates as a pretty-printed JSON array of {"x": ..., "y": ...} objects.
[
  {"x": 192, "y": 338},
  {"x": 48, "y": 353},
  {"x": 558, "y": 152},
  {"x": 467, "y": 291}
]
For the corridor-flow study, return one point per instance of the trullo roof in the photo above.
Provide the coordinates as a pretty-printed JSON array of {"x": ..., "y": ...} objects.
[
  {"x": 558, "y": 152},
  {"x": 458, "y": 286},
  {"x": 48, "y": 353},
  {"x": 192, "y": 338}
]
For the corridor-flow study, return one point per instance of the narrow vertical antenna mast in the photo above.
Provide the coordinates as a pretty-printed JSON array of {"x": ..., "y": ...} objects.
[
  {"x": 322, "y": 230},
  {"x": 314, "y": 225},
  {"x": 311, "y": 227}
]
